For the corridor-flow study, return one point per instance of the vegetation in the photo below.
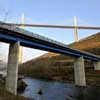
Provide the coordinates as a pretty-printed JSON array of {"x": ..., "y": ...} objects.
[
  {"x": 59, "y": 67},
  {"x": 89, "y": 93},
  {"x": 5, "y": 95}
]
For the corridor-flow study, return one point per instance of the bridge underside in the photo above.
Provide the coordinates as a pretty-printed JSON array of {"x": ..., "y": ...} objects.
[{"x": 47, "y": 47}]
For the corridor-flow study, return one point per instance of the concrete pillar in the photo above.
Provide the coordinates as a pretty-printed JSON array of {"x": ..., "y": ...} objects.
[
  {"x": 97, "y": 65},
  {"x": 79, "y": 72},
  {"x": 12, "y": 68}
]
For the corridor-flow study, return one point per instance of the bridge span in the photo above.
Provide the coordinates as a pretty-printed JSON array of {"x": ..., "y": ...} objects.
[{"x": 16, "y": 36}]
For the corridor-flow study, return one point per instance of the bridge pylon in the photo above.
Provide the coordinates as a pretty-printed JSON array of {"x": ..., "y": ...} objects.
[{"x": 75, "y": 29}]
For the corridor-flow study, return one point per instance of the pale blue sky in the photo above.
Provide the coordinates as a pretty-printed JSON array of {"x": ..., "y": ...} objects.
[{"x": 52, "y": 12}]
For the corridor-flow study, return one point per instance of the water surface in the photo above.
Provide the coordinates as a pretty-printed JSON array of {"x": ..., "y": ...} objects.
[{"x": 59, "y": 91}]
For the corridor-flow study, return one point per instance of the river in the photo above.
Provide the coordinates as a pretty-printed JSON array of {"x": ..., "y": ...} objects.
[{"x": 58, "y": 91}]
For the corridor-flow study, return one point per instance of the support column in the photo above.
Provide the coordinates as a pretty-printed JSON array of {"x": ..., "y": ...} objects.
[
  {"x": 97, "y": 65},
  {"x": 12, "y": 68},
  {"x": 79, "y": 72}
]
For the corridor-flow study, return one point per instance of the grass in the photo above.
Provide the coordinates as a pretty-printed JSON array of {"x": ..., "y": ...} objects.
[{"x": 5, "y": 95}]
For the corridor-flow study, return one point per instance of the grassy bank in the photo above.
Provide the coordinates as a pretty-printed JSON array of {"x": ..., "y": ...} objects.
[{"x": 5, "y": 95}]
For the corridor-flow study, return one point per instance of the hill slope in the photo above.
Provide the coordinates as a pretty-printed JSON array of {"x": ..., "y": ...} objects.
[{"x": 60, "y": 67}]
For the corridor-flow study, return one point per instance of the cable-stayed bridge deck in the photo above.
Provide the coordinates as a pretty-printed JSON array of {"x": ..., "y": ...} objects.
[{"x": 11, "y": 33}]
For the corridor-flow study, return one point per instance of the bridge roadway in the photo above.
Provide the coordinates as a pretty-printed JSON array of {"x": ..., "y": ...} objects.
[{"x": 16, "y": 36}]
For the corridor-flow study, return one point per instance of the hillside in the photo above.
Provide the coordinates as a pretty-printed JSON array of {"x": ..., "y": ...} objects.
[{"x": 59, "y": 67}]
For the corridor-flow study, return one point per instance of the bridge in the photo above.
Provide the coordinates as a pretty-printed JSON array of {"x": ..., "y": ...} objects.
[{"x": 17, "y": 37}]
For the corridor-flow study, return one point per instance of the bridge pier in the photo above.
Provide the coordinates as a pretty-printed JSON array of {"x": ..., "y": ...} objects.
[
  {"x": 97, "y": 65},
  {"x": 79, "y": 72},
  {"x": 12, "y": 68}
]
